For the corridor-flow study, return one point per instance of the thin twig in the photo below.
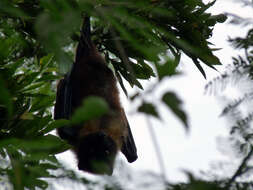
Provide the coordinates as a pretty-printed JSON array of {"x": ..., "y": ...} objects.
[
  {"x": 120, "y": 48},
  {"x": 157, "y": 149},
  {"x": 240, "y": 168},
  {"x": 123, "y": 54}
]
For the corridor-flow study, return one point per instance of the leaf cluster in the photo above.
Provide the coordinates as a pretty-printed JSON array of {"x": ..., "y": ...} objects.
[
  {"x": 25, "y": 101},
  {"x": 38, "y": 39},
  {"x": 239, "y": 76},
  {"x": 124, "y": 30}
]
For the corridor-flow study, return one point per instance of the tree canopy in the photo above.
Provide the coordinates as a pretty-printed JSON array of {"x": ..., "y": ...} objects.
[{"x": 139, "y": 40}]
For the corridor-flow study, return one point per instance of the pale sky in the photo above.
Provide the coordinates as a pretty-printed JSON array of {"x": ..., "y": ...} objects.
[{"x": 196, "y": 150}]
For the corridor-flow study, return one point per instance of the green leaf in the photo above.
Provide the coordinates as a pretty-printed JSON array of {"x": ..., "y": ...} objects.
[
  {"x": 207, "y": 6},
  {"x": 133, "y": 97},
  {"x": 42, "y": 103},
  {"x": 56, "y": 124},
  {"x": 121, "y": 83},
  {"x": 33, "y": 86},
  {"x": 42, "y": 146},
  {"x": 57, "y": 145},
  {"x": 40, "y": 183},
  {"x": 175, "y": 104},
  {"x": 92, "y": 108},
  {"x": 5, "y": 98},
  {"x": 166, "y": 69},
  {"x": 200, "y": 68},
  {"x": 29, "y": 78},
  {"x": 48, "y": 77},
  {"x": 148, "y": 108},
  {"x": 14, "y": 66},
  {"x": 29, "y": 127},
  {"x": 62, "y": 20},
  {"x": 130, "y": 77},
  {"x": 45, "y": 61},
  {"x": 142, "y": 70},
  {"x": 10, "y": 8}
]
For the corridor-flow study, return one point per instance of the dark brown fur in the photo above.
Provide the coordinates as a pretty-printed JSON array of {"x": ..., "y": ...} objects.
[
  {"x": 96, "y": 142},
  {"x": 94, "y": 78}
]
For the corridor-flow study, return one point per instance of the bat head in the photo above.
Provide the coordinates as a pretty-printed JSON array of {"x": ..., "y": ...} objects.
[{"x": 96, "y": 153}]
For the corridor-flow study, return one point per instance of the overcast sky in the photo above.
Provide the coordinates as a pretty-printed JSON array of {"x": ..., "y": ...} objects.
[{"x": 196, "y": 150}]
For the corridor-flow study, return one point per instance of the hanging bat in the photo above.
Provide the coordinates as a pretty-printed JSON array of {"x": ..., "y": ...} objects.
[{"x": 95, "y": 142}]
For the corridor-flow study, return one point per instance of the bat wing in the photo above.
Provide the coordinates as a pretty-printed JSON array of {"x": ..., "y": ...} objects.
[
  {"x": 59, "y": 108},
  {"x": 128, "y": 146},
  {"x": 63, "y": 108},
  {"x": 65, "y": 95}
]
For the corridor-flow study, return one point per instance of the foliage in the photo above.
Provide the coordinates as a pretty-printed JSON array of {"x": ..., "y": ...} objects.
[
  {"x": 238, "y": 109},
  {"x": 37, "y": 46}
]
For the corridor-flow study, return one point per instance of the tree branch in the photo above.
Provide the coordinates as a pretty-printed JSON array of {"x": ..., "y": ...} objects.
[{"x": 239, "y": 171}]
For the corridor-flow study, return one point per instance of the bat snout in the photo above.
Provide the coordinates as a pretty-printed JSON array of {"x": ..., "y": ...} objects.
[{"x": 96, "y": 153}]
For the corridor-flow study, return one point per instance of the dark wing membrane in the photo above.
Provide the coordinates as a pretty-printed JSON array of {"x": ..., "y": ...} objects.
[
  {"x": 59, "y": 106},
  {"x": 63, "y": 104},
  {"x": 63, "y": 107},
  {"x": 64, "y": 97},
  {"x": 128, "y": 146}
]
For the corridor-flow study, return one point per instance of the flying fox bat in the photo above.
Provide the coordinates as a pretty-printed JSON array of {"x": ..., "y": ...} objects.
[{"x": 95, "y": 142}]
